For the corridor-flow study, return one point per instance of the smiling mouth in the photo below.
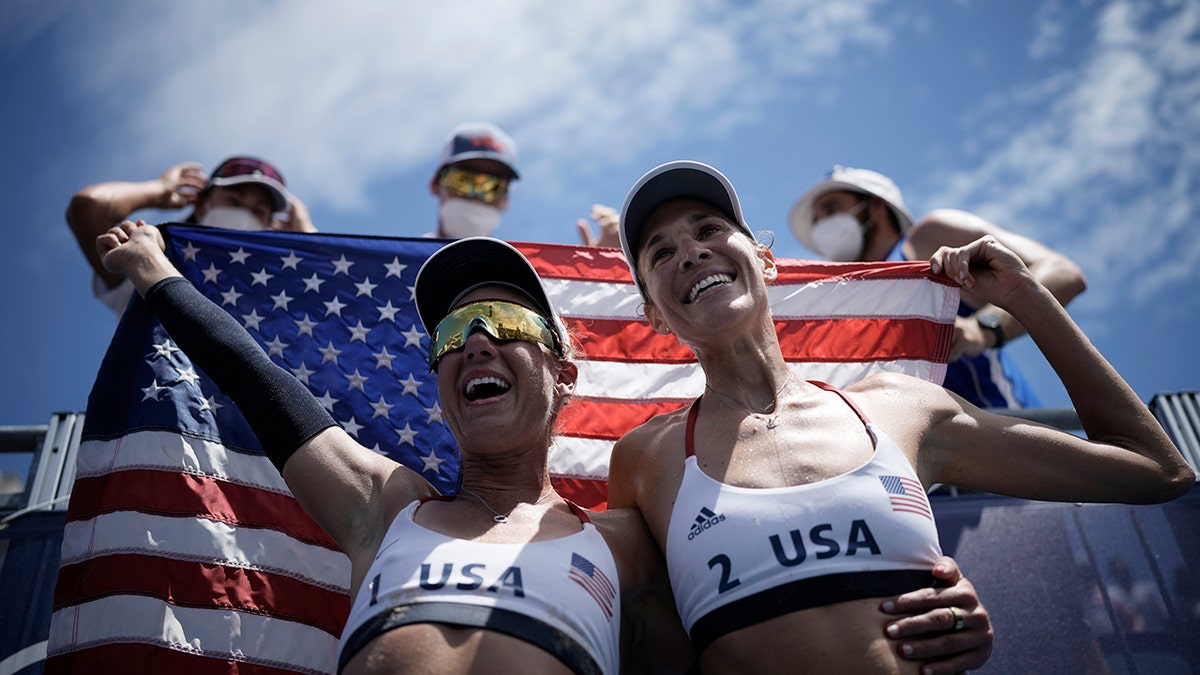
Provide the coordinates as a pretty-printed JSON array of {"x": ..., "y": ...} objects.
[
  {"x": 480, "y": 388},
  {"x": 706, "y": 284}
]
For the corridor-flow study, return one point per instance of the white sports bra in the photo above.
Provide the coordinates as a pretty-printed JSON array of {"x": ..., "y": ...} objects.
[
  {"x": 561, "y": 595},
  {"x": 739, "y": 556}
]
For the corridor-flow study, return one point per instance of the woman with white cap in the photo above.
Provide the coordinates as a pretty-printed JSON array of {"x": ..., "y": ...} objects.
[{"x": 788, "y": 510}]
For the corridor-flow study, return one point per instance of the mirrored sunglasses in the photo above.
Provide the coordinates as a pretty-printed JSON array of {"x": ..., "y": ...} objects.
[
  {"x": 499, "y": 319},
  {"x": 475, "y": 185}
]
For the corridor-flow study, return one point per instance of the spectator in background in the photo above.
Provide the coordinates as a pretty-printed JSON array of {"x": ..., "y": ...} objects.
[
  {"x": 472, "y": 179},
  {"x": 859, "y": 215},
  {"x": 243, "y": 193}
]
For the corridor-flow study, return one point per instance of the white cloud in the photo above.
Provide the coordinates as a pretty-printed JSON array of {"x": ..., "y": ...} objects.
[
  {"x": 344, "y": 94},
  {"x": 1100, "y": 163}
]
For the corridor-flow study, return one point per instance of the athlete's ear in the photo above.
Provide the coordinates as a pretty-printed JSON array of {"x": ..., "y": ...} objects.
[
  {"x": 656, "y": 319},
  {"x": 770, "y": 268},
  {"x": 568, "y": 375}
]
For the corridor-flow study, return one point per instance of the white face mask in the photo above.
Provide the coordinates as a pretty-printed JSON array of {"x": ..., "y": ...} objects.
[
  {"x": 467, "y": 218},
  {"x": 838, "y": 237},
  {"x": 232, "y": 218}
]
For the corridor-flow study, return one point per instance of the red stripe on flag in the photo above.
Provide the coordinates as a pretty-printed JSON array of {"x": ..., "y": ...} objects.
[
  {"x": 609, "y": 419},
  {"x": 184, "y": 494},
  {"x": 188, "y": 583},
  {"x": 862, "y": 340},
  {"x": 853, "y": 339},
  {"x": 810, "y": 271},
  {"x": 579, "y": 263},
  {"x": 589, "y": 493},
  {"x": 626, "y": 341}
]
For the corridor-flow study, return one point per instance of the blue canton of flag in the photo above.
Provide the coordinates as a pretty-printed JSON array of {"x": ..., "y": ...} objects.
[
  {"x": 907, "y": 495},
  {"x": 338, "y": 313},
  {"x": 594, "y": 581}
]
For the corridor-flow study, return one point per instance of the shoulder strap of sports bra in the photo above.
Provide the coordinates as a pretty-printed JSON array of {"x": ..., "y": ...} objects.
[
  {"x": 857, "y": 411},
  {"x": 580, "y": 512}
]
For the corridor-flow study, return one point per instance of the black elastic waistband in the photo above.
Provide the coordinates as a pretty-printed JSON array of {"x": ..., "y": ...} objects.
[
  {"x": 804, "y": 594},
  {"x": 533, "y": 631}
]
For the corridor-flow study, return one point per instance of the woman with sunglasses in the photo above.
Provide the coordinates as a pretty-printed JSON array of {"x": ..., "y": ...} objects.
[
  {"x": 812, "y": 497},
  {"x": 507, "y": 576}
]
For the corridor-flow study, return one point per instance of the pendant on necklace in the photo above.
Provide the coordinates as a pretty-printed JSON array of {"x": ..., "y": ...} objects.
[
  {"x": 499, "y": 518},
  {"x": 771, "y": 421}
]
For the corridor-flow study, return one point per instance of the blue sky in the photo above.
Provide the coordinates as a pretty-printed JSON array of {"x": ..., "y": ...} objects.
[{"x": 1075, "y": 123}]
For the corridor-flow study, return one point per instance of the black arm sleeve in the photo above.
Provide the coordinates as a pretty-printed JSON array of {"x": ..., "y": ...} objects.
[{"x": 280, "y": 410}]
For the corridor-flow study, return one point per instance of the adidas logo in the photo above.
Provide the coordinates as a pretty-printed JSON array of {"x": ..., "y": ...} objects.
[{"x": 704, "y": 520}]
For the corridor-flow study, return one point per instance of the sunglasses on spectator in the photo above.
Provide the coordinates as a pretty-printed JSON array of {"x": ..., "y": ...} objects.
[
  {"x": 485, "y": 187},
  {"x": 499, "y": 319}
]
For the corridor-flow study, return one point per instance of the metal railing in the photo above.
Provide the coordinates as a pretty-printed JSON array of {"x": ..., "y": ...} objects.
[
  {"x": 1180, "y": 415},
  {"x": 52, "y": 467}
]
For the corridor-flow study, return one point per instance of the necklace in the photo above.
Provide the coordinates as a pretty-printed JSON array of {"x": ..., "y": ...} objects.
[
  {"x": 769, "y": 415},
  {"x": 496, "y": 515}
]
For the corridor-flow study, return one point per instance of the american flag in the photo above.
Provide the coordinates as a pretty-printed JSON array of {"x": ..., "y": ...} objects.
[
  {"x": 184, "y": 548},
  {"x": 594, "y": 581},
  {"x": 907, "y": 495}
]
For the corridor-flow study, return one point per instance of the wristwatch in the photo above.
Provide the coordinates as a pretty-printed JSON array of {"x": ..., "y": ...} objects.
[{"x": 991, "y": 322}]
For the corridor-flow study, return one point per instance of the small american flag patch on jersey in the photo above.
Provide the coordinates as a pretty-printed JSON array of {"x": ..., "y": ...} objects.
[
  {"x": 907, "y": 495},
  {"x": 594, "y": 581}
]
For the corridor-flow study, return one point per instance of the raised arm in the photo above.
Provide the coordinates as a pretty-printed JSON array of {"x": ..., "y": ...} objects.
[
  {"x": 1126, "y": 457},
  {"x": 952, "y": 228},
  {"x": 346, "y": 488},
  {"x": 98, "y": 207}
]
